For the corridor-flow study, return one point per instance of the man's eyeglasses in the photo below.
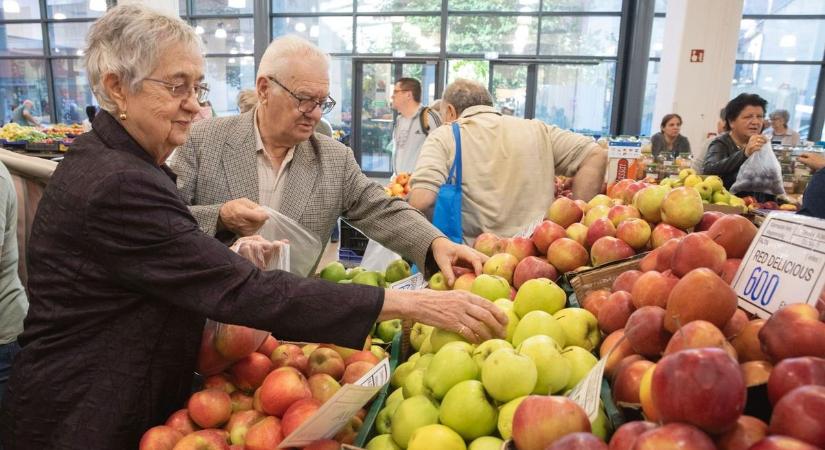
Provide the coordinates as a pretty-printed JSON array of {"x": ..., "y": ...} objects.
[
  {"x": 307, "y": 105},
  {"x": 184, "y": 90}
]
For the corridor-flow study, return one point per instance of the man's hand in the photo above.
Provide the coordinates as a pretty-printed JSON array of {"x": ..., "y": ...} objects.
[
  {"x": 242, "y": 216},
  {"x": 815, "y": 161},
  {"x": 447, "y": 253}
]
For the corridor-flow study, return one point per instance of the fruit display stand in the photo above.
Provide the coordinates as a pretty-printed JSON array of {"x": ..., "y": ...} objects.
[
  {"x": 368, "y": 427},
  {"x": 601, "y": 277}
]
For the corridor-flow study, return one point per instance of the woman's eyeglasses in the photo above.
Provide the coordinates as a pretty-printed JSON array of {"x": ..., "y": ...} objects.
[{"x": 184, "y": 90}]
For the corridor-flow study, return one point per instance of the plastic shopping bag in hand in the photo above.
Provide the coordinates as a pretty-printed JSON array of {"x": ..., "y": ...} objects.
[
  {"x": 304, "y": 247},
  {"x": 223, "y": 344},
  {"x": 761, "y": 172}
]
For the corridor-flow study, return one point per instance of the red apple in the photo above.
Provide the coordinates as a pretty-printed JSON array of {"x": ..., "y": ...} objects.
[
  {"x": 264, "y": 435},
  {"x": 620, "y": 213},
  {"x": 567, "y": 255},
  {"x": 180, "y": 421},
  {"x": 664, "y": 254},
  {"x": 464, "y": 282},
  {"x": 240, "y": 423},
  {"x": 696, "y": 334},
  {"x": 598, "y": 229},
  {"x": 281, "y": 388},
  {"x": 289, "y": 355},
  {"x": 161, "y": 437},
  {"x": 756, "y": 372},
  {"x": 503, "y": 265},
  {"x": 624, "y": 349},
  {"x": 652, "y": 289},
  {"x": 241, "y": 401},
  {"x": 356, "y": 370},
  {"x": 564, "y": 212},
  {"x": 729, "y": 269},
  {"x": 675, "y": 436},
  {"x": 545, "y": 234},
  {"x": 634, "y": 232},
  {"x": 269, "y": 345},
  {"x": 578, "y": 441},
  {"x": 203, "y": 440},
  {"x": 799, "y": 414},
  {"x": 533, "y": 267},
  {"x": 748, "y": 431},
  {"x": 703, "y": 387},
  {"x": 328, "y": 361},
  {"x": 362, "y": 356},
  {"x": 747, "y": 343},
  {"x": 616, "y": 190},
  {"x": 700, "y": 295},
  {"x": 782, "y": 443},
  {"x": 697, "y": 250},
  {"x": 209, "y": 408},
  {"x": 792, "y": 373},
  {"x": 648, "y": 263},
  {"x": 663, "y": 233},
  {"x": 736, "y": 324},
  {"x": 626, "y": 386},
  {"x": 486, "y": 243},
  {"x": 794, "y": 330},
  {"x": 324, "y": 444},
  {"x": 541, "y": 420},
  {"x": 520, "y": 247},
  {"x": 220, "y": 382},
  {"x": 708, "y": 218},
  {"x": 625, "y": 436},
  {"x": 645, "y": 330},
  {"x": 608, "y": 249},
  {"x": 734, "y": 233},
  {"x": 594, "y": 300},
  {"x": 322, "y": 386},
  {"x": 233, "y": 342},
  {"x": 297, "y": 414},
  {"x": 614, "y": 313},
  {"x": 577, "y": 232},
  {"x": 251, "y": 370}
]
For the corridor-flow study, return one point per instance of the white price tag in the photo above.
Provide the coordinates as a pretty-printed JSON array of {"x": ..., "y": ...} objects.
[
  {"x": 410, "y": 283},
  {"x": 588, "y": 392},
  {"x": 624, "y": 149},
  {"x": 785, "y": 264},
  {"x": 340, "y": 408}
]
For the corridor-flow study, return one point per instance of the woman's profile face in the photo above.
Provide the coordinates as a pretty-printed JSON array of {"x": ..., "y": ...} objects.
[{"x": 672, "y": 127}]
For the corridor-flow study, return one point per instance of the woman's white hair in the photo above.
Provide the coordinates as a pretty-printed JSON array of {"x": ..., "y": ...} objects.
[
  {"x": 127, "y": 41},
  {"x": 285, "y": 50}
]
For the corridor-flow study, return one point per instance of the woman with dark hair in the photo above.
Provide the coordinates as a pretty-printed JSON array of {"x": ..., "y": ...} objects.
[
  {"x": 743, "y": 121},
  {"x": 669, "y": 140}
]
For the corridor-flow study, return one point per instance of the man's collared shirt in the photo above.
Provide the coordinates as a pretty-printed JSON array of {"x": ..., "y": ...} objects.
[{"x": 271, "y": 180}]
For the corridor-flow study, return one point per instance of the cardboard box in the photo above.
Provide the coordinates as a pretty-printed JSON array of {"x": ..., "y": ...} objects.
[
  {"x": 601, "y": 277},
  {"x": 725, "y": 209}
]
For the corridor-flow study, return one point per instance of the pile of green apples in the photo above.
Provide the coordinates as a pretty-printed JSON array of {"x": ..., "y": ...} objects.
[
  {"x": 336, "y": 272},
  {"x": 451, "y": 394}
]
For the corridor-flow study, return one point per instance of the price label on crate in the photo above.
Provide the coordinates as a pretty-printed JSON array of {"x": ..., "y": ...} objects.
[
  {"x": 785, "y": 264},
  {"x": 588, "y": 392},
  {"x": 624, "y": 149},
  {"x": 411, "y": 283}
]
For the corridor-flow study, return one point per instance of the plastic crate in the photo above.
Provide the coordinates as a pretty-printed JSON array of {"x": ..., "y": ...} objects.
[
  {"x": 352, "y": 239},
  {"x": 367, "y": 430},
  {"x": 348, "y": 257}
]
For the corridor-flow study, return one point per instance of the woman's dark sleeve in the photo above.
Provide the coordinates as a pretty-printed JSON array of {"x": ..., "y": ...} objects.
[
  {"x": 657, "y": 144},
  {"x": 150, "y": 242},
  {"x": 813, "y": 200},
  {"x": 717, "y": 162}
]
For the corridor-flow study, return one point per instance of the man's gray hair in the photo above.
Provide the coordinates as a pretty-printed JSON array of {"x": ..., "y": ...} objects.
[
  {"x": 128, "y": 41},
  {"x": 781, "y": 114},
  {"x": 463, "y": 93},
  {"x": 284, "y": 51}
]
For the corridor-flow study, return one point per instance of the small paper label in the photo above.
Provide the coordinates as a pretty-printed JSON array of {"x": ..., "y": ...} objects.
[
  {"x": 587, "y": 393},
  {"x": 340, "y": 408},
  {"x": 410, "y": 283},
  {"x": 785, "y": 264}
]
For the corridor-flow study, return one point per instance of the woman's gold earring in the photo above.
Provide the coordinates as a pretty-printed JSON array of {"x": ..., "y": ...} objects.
[{"x": 122, "y": 116}]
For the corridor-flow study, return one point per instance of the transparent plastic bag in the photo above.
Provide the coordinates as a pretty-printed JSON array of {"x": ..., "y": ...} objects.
[
  {"x": 304, "y": 247},
  {"x": 761, "y": 172},
  {"x": 223, "y": 344}
]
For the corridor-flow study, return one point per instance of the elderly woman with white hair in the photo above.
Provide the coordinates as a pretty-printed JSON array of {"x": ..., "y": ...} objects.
[
  {"x": 779, "y": 131},
  {"x": 122, "y": 279}
]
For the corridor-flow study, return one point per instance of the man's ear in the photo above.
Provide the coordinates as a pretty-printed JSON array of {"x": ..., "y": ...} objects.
[
  {"x": 116, "y": 90},
  {"x": 261, "y": 86}
]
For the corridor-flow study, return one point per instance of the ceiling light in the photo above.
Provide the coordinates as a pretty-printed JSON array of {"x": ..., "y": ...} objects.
[
  {"x": 300, "y": 27},
  {"x": 199, "y": 29},
  {"x": 313, "y": 31},
  {"x": 59, "y": 16},
  {"x": 240, "y": 39},
  {"x": 231, "y": 61},
  {"x": 237, "y": 4},
  {"x": 788, "y": 41},
  {"x": 220, "y": 33},
  {"x": 11, "y": 6},
  {"x": 80, "y": 52},
  {"x": 233, "y": 51},
  {"x": 97, "y": 5}
]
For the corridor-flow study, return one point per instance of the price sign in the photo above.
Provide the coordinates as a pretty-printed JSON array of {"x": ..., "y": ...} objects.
[
  {"x": 588, "y": 392},
  {"x": 621, "y": 155},
  {"x": 410, "y": 283},
  {"x": 785, "y": 264}
]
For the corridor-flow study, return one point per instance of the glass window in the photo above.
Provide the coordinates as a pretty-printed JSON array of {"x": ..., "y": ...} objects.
[
  {"x": 419, "y": 34},
  {"x": 68, "y": 39},
  {"x": 576, "y": 35},
  {"x": 424, "y": 73},
  {"x": 657, "y": 37},
  {"x": 576, "y": 96},
  {"x": 503, "y": 34},
  {"x": 71, "y": 89},
  {"x": 510, "y": 88},
  {"x": 583, "y": 5},
  {"x": 785, "y": 86},
  {"x": 311, "y": 6},
  {"x": 333, "y": 34},
  {"x": 182, "y": 7},
  {"x": 500, "y": 5},
  {"x": 376, "y": 117},
  {"x": 226, "y": 77},
  {"x": 340, "y": 88},
  {"x": 652, "y": 81},
  {"x": 471, "y": 69},
  {"x": 21, "y": 39},
  {"x": 75, "y": 9},
  {"x": 784, "y": 7},
  {"x": 227, "y": 36},
  {"x": 399, "y": 5},
  {"x": 22, "y": 79},
  {"x": 660, "y": 6},
  {"x": 228, "y": 7},
  {"x": 20, "y": 10},
  {"x": 788, "y": 40}
]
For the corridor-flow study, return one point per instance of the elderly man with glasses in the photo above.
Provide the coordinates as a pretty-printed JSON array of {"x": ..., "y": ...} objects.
[{"x": 271, "y": 157}]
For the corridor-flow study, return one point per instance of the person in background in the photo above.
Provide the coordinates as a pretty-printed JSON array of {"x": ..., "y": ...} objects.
[
  {"x": 412, "y": 126},
  {"x": 498, "y": 151},
  {"x": 669, "y": 141},
  {"x": 743, "y": 122},
  {"x": 247, "y": 99},
  {"x": 779, "y": 130},
  {"x": 91, "y": 110},
  {"x": 13, "y": 303},
  {"x": 205, "y": 111},
  {"x": 122, "y": 279},
  {"x": 22, "y": 115},
  {"x": 813, "y": 200},
  {"x": 507, "y": 111}
]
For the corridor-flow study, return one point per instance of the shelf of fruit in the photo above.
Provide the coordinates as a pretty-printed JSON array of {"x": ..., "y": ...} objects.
[
  {"x": 399, "y": 185},
  {"x": 57, "y": 137}
]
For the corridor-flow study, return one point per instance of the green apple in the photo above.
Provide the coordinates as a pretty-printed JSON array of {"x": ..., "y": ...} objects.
[
  {"x": 438, "y": 282},
  {"x": 539, "y": 294},
  {"x": 388, "y": 328},
  {"x": 486, "y": 443},
  {"x": 580, "y": 326},
  {"x": 418, "y": 333},
  {"x": 485, "y": 348},
  {"x": 685, "y": 173},
  {"x": 352, "y": 272},
  {"x": 507, "y": 375},
  {"x": 553, "y": 369},
  {"x": 382, "y": 442},
  {"x": 334, "y": 271},
  {"x": 692, "y": 180},
  {"x": 344, "y": 281},
  {"x": 414, "y": 384},
  {"x": 426, "y": 346},
  {"x": 715, "y": 183},
  {"x": 378, "y": 351},
  {"x": 505, "y": 417},
  {"x": 450, "y": 366},
  {"x": 423, "y": 361},
  {"x": 440, "y": 337},
  {"x": 506, "y": 305},
  {"x": 466, "y": 410},
  {"x": 383, "y": 421},
  {"x": 581, "y": 361},
  {"x": 705, "y": 191},
  {"x": 397, "y": 271},
  {"x": 539, "y": 322},
  {"x": 436, "y": 436},
  {"x": 414, "y": 357},
  {"x": 601, "y": 426},
  {"x": 490, "y": 287},
  {"x": 412, "y": 414},
  {"x": 367, "y": 278},
  {"x": 401, "y": 373},
  {"x": 394, "y": 399},
  {"x": 461, "y": 345},
  {"x": 722, "y": 196}
]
